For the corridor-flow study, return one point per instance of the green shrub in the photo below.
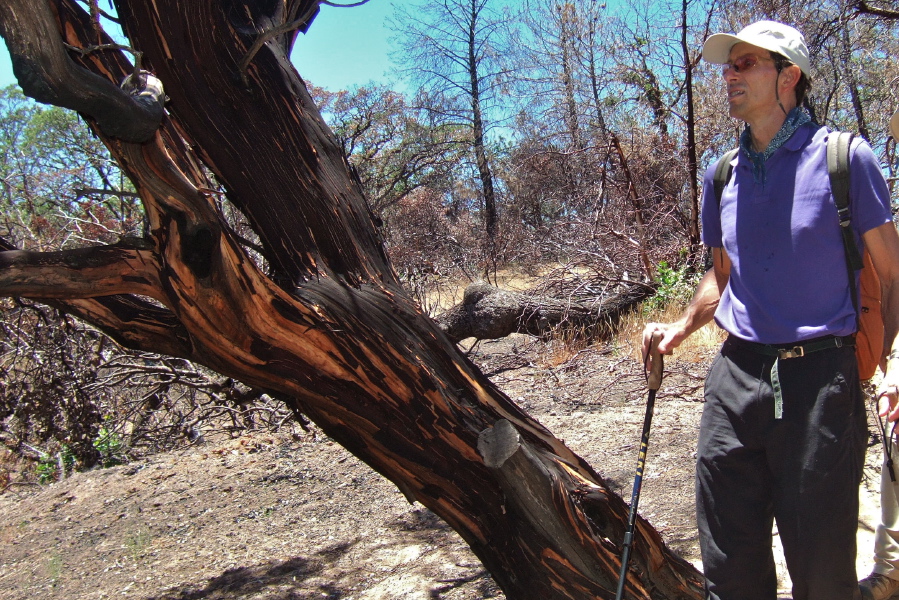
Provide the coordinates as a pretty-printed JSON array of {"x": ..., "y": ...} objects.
[
  {"x": 107, "y": 443},
  {"x": 676, "y": 287},
  {"x": 111, "y": 448},
  {"x": 49, "y": 465}
]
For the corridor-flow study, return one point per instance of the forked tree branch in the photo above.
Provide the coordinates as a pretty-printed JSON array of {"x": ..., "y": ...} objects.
[
  {"x": 132, "y": 321},
  {"x": 863, "y": 7},
  {"x": 46, "y": 73},
  {"x": 272, "y": 33}
]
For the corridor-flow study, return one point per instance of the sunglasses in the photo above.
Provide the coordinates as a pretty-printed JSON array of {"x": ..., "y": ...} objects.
[{"x": 742, "y": 64}]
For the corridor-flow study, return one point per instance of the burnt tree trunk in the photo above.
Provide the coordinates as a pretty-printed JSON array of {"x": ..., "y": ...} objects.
[
  {"x": 692, "y": 160},
  {"x": 487, "y": 313},
  {"x": 325, "y": 326},
  {"x": 477, "y": 121},
  {"x": 641, "y": 243}
]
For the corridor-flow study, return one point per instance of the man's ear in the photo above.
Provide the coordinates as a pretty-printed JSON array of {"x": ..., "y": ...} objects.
[{"x": 790, "y": 76}]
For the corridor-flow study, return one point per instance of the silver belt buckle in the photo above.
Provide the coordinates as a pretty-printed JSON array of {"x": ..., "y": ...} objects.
[{"x": 794, "y": 352}]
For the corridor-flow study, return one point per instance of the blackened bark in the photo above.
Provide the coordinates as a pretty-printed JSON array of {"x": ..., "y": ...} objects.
[
  {"x": 637, "y": 205},
  {"x": 692, "y": 161},
  {"x": 480, "y": 150}
]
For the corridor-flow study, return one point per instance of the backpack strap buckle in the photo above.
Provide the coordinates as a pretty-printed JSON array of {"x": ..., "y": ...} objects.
[{"x": 844, "y": 216}]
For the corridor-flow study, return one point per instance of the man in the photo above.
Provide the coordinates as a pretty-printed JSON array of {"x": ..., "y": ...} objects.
[
  {"x": 883, "y": 582},
  {"x": 783, "y": 429}
]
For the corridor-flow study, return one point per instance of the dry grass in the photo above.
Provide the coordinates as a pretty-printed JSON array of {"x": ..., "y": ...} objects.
[
  {"x": 695, "y": 348},
  {"x": 567, "y": 344},
  {"x": 627, "y": 340},
  {"x": 561, "y": 349}
]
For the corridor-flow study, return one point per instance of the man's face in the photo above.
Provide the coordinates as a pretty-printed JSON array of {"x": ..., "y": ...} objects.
[{"x": 751, "y": 77}]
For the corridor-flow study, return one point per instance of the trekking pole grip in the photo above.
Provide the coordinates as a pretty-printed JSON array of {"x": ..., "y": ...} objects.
[{"x": 654, "y": 379}]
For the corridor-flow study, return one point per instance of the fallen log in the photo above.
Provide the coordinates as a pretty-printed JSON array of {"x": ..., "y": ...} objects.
[{"x": 487, "y": 312}]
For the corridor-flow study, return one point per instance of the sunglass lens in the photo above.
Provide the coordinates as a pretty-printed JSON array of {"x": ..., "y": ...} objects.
[{"x": 744, "y": 63}]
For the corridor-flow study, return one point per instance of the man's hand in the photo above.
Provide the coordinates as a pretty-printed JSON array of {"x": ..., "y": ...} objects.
[
  {"x": 883, "y": 245},
  {"x": 670, "y": 335},
  {"x": 699, "y": 311},
  {"x": 888, "y": 392}
]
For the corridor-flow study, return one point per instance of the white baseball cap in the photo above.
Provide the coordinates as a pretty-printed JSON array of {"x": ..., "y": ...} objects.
[
  {"x": 770, "y": 35},
  {"x": 894, "y": 126}
]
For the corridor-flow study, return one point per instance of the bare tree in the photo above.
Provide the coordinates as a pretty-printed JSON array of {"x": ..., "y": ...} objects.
[
  {"x": 690, "y": 58},
  {"x": 450, "y": 50},
  {"x": 394, "y": 147},
  {"x": 558, "y": 84}
]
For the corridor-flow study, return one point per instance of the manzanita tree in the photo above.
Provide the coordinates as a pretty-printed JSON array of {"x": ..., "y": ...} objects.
[{"x": 311, "y": 310}]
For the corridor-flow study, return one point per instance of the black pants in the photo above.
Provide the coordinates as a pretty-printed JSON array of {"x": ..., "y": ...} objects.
[{"x": 802, "y": 470}]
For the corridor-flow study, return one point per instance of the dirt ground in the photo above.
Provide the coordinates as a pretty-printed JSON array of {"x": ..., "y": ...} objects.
[{"x": 292, "y": 515}]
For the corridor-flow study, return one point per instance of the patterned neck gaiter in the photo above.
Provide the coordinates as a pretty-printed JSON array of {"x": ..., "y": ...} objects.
[{"x": 796, "y": 119}]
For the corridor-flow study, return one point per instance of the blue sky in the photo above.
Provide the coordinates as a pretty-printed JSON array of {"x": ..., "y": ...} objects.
[{"x": 344, "y": 47}]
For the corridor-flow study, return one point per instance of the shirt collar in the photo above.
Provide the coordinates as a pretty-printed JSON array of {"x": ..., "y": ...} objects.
[
  {"x": 798, "y": 139},
  {"x": 791, "y": 125}
]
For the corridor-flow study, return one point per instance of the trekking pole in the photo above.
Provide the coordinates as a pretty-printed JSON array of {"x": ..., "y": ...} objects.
[
  {"x": 887, "y": 440},
  {"x": 653, "y": 382}
]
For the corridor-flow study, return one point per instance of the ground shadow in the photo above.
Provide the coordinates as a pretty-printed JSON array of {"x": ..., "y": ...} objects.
[
  {"x": 486, "y": 587},
  {"x": 283, "y": 580}
]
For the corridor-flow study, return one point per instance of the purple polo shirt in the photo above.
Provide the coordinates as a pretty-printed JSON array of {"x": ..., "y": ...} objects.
[{"x": 788, "y": 279}]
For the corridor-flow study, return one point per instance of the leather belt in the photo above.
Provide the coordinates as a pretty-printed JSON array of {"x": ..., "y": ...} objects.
[{"x": 799, "y": 349}]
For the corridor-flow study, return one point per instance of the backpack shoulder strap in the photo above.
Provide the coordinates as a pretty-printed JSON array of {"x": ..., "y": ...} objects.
[
  {"x": 723, "y": 170},
  {"x": 838, "y": 144}
]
